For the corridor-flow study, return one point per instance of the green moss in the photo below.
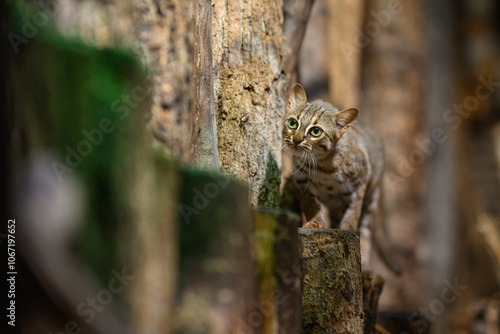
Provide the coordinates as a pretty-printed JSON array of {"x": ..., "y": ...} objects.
[
  {"x": 269, "y": 193},
  {"x": 64, "y": 90}
]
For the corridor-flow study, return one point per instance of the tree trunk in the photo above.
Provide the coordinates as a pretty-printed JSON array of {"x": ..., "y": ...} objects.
[
  {"x": 165, "y": 37},
  {"x": 249, "y": 88},
  {"x": 204, "y": 134},
  {"x": 344, "y": 34},
  {"x": 393, "y": 105},
  {"x": 154, "y": 196},
  {"x": 332, "y": 297},
  {"x": 295, "y": 23}
]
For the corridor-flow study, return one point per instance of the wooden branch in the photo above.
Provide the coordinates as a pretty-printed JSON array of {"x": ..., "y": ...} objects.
[
  {"x": 371, "y": 293},
  {"x": 296, "y": 16},
  {"x": 487, "y": 229},
  {"x": 204, "y": 134},
  {"x": 332, "y": 298}
]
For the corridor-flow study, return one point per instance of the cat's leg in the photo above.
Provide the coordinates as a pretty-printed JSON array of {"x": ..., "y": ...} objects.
[
  {"x": 350, "y": 220},
  {"x": 311, "y": 208}
]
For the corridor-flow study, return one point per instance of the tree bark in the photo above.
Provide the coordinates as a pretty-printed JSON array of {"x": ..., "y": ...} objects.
[
  {"x": 249, "y": 89},
  {"x": 165, "y": 37},
  {"x": 204, "y": 135},
  {"x": 332, "y": 298},
  {"x": 162, "y": 34}
]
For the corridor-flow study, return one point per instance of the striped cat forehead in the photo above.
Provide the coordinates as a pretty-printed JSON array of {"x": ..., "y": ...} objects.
[{"x": 310, "y": 112}]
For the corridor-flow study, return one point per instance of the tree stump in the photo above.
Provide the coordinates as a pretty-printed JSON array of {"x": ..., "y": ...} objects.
[{"x": 332, "y": 298}]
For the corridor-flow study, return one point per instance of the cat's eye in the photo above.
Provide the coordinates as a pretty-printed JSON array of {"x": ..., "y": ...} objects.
[
  {"x": 315, "y": 132},
  {"x": 292, "y": 124}
]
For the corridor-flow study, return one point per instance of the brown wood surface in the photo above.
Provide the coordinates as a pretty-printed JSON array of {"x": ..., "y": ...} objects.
[
  {"x": 249, "y": 92},
  {"x": 204, "y": 134},
  {"x": 332, "y": 297}
]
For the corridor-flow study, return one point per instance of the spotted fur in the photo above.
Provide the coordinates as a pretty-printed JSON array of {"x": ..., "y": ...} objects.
[{"x": 341, "y": 168}]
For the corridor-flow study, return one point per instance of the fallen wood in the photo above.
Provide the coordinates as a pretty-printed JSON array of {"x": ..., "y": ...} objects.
[{"x": 332, "y": 298}]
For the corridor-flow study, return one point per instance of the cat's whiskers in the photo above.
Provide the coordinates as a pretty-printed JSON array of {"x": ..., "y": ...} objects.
[
  {"x": 308, "y": 174},
  {"x": 301, "y": 165},
  {"x": 311, "y": 172},
  {"x": 315, "y": 166},
  {"x": 277, "y": 155}
]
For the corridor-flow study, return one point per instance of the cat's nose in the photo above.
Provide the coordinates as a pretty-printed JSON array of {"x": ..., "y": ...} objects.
[{"x": 296, "y": 140}]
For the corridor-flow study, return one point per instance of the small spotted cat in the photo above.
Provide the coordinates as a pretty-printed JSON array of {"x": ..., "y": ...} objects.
[{"x": 339, "y": 164}]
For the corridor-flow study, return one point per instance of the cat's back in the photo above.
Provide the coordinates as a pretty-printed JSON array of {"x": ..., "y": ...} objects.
[{"x": 373, "y": 146}]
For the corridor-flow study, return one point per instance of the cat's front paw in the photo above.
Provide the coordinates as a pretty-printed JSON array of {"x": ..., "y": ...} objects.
[{"x": 314, "y": 224}]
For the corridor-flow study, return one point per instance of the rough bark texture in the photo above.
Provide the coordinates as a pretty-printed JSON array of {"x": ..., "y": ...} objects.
[
  {"x": 99, "y": 23},
  {"x": 344, "y": 25},
  {"x": 204, "y": 134},
  {"x": 164, "y": 32},
  {"x": 393, "y": 105},
  {"x": 332, "y": 297},
  {"x": 250, "y": 87}
]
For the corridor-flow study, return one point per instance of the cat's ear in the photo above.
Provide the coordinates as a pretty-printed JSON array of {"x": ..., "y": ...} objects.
[
  {"x": 345, "y": 119},
  {"x": 296, "y": 98}
]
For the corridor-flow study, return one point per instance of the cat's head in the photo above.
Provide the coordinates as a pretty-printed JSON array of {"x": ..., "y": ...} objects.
[{"x": 311, "y": 127}]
